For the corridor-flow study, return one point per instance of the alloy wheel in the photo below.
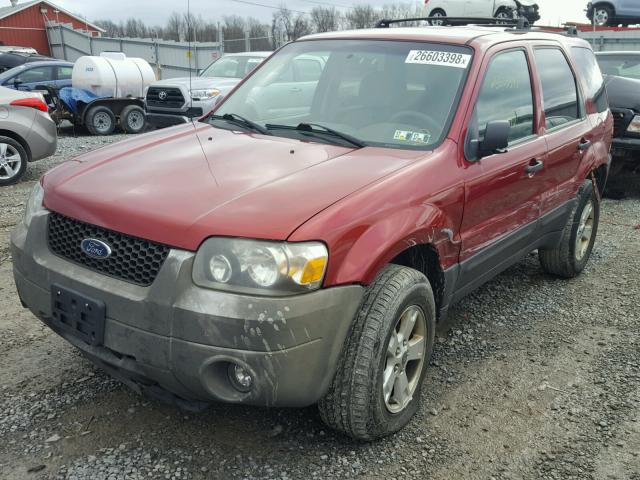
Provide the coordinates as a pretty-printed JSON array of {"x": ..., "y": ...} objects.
[
  {"x": 601, "y": 17},
  {"x": 10, "y": 161},
  {"x": 585, "y": 230},
  {"x": 405, "y": 359}
]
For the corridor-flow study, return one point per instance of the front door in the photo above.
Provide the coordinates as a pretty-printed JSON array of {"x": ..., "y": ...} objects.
[{"x": 503, "y": 191}]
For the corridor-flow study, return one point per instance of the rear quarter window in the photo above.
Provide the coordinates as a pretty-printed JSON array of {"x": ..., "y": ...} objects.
[{"x": 589, "y": 71}]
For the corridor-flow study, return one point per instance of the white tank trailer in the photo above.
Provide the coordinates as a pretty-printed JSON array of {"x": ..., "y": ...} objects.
[
  {"x": 107, "y": 90},
  {"x": 112, "y": 74}
]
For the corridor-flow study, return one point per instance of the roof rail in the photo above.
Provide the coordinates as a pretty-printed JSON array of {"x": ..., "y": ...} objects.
[{"x": 520, "y": 23}]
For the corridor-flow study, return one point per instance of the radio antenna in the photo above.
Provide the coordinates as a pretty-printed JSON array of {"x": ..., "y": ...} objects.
[{"x": 189, "y": 55}]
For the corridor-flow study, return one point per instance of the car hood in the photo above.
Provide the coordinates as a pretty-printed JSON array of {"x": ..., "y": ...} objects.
[
  {"x": 179, "y": 186},
  {"x": 220, "y": 83},
  {"x": 623, "y": 92}
]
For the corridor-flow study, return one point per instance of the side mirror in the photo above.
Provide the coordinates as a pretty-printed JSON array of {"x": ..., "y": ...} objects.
[
  {"x": 496, "y": 138},
  {"x": 16, "y": 83}
]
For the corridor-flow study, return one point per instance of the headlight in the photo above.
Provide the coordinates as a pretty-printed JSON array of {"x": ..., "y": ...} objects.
[
  {"x": 634, "y": 126},
  {"x": 34, "y": 205},
  {"x": 260, "y": 267},
  {"x": 208, "y": 93}
]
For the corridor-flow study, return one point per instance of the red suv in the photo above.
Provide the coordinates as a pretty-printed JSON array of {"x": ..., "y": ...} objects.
[{"x": 300, "y": 244}]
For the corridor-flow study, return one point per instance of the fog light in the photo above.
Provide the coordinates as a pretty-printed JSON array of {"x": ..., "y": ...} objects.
[{"x": 240, "y": 377}]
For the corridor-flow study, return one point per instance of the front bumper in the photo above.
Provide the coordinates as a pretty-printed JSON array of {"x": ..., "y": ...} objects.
[{"x": 178, "y": 338}]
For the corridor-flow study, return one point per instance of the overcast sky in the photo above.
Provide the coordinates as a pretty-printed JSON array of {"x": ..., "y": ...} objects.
[{"x": 553, "y": 12}]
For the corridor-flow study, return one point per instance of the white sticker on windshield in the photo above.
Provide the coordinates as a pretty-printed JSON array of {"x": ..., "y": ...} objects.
[{"x": 431, "y": 57}]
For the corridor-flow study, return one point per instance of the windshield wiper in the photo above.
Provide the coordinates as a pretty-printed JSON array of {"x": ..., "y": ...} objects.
[
  {"x": 311, "y": 128},
  {"x": 242, "y": 121}
]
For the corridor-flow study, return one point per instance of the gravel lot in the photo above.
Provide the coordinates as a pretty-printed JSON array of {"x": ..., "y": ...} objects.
[{"x": 534, "y": 377}]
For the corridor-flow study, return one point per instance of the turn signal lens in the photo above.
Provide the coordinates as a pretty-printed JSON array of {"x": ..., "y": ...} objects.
[{"x": 313, "y": 271}]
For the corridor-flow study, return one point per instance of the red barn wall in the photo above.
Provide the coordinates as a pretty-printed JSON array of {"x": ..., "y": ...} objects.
[{"x": 26, "y": 28}]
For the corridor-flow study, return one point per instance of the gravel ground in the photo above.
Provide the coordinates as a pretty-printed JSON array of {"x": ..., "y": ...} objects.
[{"x": 533, "y": 377}]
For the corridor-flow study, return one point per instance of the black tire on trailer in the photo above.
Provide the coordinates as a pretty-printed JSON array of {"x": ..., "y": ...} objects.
[
  {"x": 571, "y": 255},
  {"x": 100, "y": 120},
  {"x": 132, "y": 119},
  {"x": 376, "y": 388},
  {"x": 13, "y": 161}
]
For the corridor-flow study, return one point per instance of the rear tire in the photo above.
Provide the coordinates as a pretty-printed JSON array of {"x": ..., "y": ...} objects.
[
  {"x": 571, "y": 255},
  {"x": 13, "y": 161},
  {"x": 100, "y": 120},
  {"x": 438, "y": 12},
  {"x": 376, "y": 389},
  {"x": 132, "y": 119}
]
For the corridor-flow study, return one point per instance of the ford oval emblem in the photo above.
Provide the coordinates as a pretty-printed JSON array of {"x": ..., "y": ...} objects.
[{"x": 95, "y": 248}]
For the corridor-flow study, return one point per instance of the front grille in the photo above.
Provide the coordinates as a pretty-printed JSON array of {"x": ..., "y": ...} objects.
[
  {"x": 173, "y": 98},
  {"x": 132, "y": 259},
  {"x": 621, "y": 119}
]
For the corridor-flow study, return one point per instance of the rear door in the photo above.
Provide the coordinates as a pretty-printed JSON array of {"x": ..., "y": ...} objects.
[
  {"x": 63, "y": 76},
  {"x": 503, "y": 191},
  {"x": 568, "y": 133}
]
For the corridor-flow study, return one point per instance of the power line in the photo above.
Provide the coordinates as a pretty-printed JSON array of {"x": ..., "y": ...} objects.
[
  {"x": 256, "y": 4},
  {"x": 328, "y": 4}
]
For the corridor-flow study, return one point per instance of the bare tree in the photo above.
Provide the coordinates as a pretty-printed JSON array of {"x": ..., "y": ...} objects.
[
  {"x": 361, "y": 16},
  {"x": 325, "y": 19},
  {"x": 175, "y": 27},
  {"x": 289, "y": 24}
]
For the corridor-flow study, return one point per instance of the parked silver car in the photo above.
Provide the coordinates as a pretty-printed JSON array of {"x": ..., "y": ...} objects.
[{"x": 27, "y": 132}]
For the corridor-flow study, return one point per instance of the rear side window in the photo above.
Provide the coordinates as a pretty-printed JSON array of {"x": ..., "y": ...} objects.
[
  {"x": 589, "y": 70},
  {"x": 559, "y": 91},
  {"x": 64, "y": 73},
  {"x": 506, "y": 95}
]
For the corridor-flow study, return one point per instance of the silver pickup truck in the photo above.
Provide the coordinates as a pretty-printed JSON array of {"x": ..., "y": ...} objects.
[{"x": 177, "y": 100}]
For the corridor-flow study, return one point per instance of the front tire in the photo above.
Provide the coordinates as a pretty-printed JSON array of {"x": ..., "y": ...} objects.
[
  {"x": 571, "y": 255},
  {"x": 376, "y": 389},
  {"x": 13, "y": 161}
]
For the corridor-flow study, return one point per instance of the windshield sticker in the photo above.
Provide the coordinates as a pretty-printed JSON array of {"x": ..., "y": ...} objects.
[
  {"x": 413, "y": 137},
  {"x": 431, "y": 57}
]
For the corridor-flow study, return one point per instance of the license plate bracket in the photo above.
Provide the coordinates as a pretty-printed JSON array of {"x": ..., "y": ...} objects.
[{"x": 78, "y": 315}]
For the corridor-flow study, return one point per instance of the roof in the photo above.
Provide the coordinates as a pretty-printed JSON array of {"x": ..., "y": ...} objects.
[
  {"x": 11, "y": 10},
  {"x": 460, "y": 35},
  {"x": 44, "y": 63}
]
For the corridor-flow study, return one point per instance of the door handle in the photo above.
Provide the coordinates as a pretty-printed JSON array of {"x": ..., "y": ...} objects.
[
  {"x": 534, "y": 166},
  {"x": 295, "y": 90},
  {"x": 584, "y": 145}
]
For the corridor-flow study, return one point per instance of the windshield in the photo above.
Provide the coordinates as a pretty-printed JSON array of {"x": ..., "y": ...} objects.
[
  {"x": 232, "y": 66},
  {"x": 384, "y": 93},
  {"x": 627, "y": 66}
]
